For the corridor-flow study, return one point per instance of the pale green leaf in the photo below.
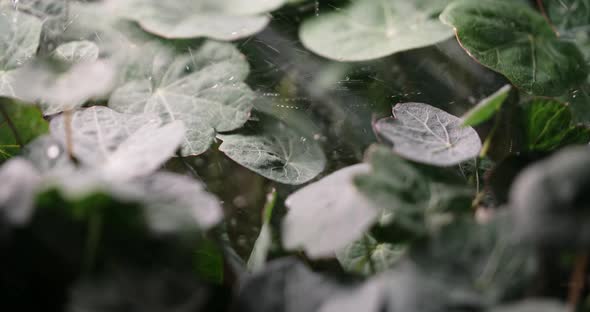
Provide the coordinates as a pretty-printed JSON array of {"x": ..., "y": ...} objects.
[
  {"x": 19, "y": 40},
  {"x": 98, "y": 131},
  {"x": 372, "y": 29},
  {"x": 203, "y": 87},
  {"x": 77, "y": 51},
  {"x": 20, "y": 182},
  {"x": 327, "y": 215},
  {"x": 59, "y": 87},
  {"x": 216, "y": 19},
  {"x": 263, "y": 242},
  {"x": 276, "y": 152}
]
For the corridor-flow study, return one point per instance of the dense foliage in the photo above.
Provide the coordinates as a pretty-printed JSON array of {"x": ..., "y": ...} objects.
[{"x": 280, "y": 155}]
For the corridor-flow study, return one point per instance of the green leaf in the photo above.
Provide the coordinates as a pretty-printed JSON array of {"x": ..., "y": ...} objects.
[
  {"x": 209, "y": 261},
  {"x": 426, "y": 134},
  {"x": 572, "y": 20},
  {"x": 19, "y": 124},
  {"x": 367, "y": 256},
  {"x": 77, "y": 51},
  {"x": 372, "y": 29},
  {"x": 548, "y": 125},
  {"x": 415, "y": 198},
  {"x": 329, "y": 214},
  {"x": 276, "y": 152},
  {"x": 216, "y": 19},
  {"x": 264, "y": 241},
  {"x": 19, "y": 41},
  {"x": 203, "y": 87},
  {"x": 486, "y": 108},
  {"x": 516, "y": 41}
]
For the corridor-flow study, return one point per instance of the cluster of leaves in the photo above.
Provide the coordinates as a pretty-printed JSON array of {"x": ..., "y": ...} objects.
[{"x": 98, "y": 99}]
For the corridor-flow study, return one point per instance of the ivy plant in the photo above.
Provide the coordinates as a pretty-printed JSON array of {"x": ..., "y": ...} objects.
[{"x": 294, "y": 155}]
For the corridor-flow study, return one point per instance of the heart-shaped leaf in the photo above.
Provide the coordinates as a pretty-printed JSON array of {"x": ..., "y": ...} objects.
[
  {"x": 276, "y": 152},
  {"x": 429, "y": 135},
  {"x": 217, "y": 19},
  {"x": 203, "y": 87},
  {"x": 516, "y": 41},
  {"x": 327, "y": 215},
  {"x": 372, "y": 29}
]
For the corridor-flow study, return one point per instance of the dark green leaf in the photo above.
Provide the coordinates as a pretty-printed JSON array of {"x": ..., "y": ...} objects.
[
  {"x": 19, "y": 124},
  {"x": 548, "y": 125},
  {"x": 416, "y": 198},
  {"x": 516, "y": 41},
  {"x": 572, "y": 20},
  {"x": 367, "y": 256}
]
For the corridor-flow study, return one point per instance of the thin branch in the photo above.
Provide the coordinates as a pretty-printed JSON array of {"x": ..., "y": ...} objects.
[
  {"x": 577, "y": 280},
  {"x": 68, "y": 129},
  {"x": 544, "y": 13}
]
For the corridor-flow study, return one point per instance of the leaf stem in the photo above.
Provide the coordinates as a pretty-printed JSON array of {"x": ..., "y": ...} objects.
[
  {"x": 577, "y": 280},
  {"x": 488, "y": 141},
  {"x": 11, "y": 125},
  {"x": 68, "y": 129},
  {"x": 544, "y": 13}
]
